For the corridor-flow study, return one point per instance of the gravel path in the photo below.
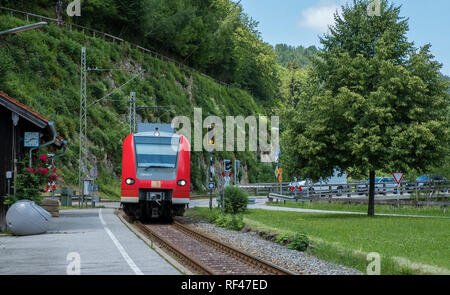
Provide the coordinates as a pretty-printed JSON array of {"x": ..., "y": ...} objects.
[{"x": 251, "y": 242}]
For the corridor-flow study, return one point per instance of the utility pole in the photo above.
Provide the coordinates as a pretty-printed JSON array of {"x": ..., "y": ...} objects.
[
  {"x": 82, "y": 171},
  {"x": 132, "y": 112}
]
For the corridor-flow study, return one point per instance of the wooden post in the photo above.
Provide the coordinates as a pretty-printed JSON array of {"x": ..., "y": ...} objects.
[{"x": 416, "y": 187}]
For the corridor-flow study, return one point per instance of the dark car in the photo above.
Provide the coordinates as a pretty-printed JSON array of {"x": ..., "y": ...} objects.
[
  {"x": 383, "y": 185},
  {"x": 424, "y": 180}
]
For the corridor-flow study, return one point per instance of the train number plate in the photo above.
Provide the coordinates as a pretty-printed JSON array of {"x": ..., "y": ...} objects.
[{"x": 156, "y": 184}]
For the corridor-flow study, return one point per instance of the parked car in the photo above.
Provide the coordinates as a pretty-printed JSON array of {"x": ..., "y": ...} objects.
[
  {"x": 383, "y": 185},
  {"x": 338, "y": 184},
  {"x": 425, "y": 179}
]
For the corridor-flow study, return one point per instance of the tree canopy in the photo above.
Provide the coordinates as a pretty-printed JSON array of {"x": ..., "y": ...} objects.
[
  {"x": 294, "y": 56},
  {"x": 372, "y": 101},
  {"x": 213, "y": 36}
]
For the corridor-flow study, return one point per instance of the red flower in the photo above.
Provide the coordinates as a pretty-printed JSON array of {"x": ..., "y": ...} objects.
[{"x": 43, "y": 158}]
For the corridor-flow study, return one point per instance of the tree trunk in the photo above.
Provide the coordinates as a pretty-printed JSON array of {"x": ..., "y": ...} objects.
[{"x": 371, "y": 211}]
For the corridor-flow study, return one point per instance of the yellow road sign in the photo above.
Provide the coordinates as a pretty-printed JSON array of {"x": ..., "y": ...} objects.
[{"x": 279, "y": 174}]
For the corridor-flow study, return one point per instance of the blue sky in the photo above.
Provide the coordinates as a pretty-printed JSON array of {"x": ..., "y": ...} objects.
[{"x": 300, "y": 22}]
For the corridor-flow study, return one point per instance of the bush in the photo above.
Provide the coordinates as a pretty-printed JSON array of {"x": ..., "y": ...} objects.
[
  {"x": 283, "y": 239},
  {"x": 235, "y": 200},
  {"x": 298, "y": 241},
  {"x": 232, "y": 222},
  {"x": 32, "y": 180}
]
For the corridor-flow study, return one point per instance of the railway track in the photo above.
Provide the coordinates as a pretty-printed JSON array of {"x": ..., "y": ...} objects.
[{"x": 205, "y": 255}]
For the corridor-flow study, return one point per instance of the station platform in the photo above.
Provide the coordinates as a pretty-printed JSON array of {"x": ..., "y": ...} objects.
[{"x": 104, "y": 245}]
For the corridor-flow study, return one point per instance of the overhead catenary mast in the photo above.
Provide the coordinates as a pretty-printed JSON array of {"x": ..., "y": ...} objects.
[
  {"x": 83, "y": 156},
  {"x": 132, "y": 112},
  {"x": 82, "y": 171}
]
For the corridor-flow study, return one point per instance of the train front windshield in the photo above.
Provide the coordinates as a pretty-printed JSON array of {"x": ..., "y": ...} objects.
[{"x": 156, "y": 152}]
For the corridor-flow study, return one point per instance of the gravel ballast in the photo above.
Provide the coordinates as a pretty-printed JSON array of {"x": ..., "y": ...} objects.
[{"x": 293, "y": 260}]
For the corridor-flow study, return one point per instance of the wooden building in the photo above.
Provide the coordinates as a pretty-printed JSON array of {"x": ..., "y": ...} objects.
[{"x": 16, "y": 119}]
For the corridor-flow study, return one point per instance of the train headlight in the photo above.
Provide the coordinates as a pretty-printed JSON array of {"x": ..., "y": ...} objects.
[
  {"x": 129, "y": 181},
  {"x": 181, "y": 182}
]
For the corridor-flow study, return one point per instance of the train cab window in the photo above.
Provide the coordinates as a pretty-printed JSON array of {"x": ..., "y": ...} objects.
[{"x": 157, "y": 152}]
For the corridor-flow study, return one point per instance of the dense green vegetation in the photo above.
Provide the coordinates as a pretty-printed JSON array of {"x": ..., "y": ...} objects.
[
  {"x": 235, "y": 200},
  {"x": 378, "y": 105},
  {"x": 41, "y": 69},
  {"x": 407, "y": 245},
  {"x": 214, "y": 36},
  {"x": 294, "y": 57}
]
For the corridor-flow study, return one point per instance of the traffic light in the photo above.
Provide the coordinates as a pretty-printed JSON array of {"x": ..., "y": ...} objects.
[
  {"x": 211, "y": 135},
  {"x": 227, "y": 164}
]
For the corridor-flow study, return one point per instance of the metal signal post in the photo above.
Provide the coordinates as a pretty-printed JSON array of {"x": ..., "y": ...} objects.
[{"x": 211, "y": 172}]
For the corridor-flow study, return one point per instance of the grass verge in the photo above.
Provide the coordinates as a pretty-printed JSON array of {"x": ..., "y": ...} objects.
[
  {"x": 406, "y": 245},
  {"x": 384, "y": 209}
]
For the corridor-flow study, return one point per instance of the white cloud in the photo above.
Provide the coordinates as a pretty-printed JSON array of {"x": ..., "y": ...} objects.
[{"x": 318, "y": 17}]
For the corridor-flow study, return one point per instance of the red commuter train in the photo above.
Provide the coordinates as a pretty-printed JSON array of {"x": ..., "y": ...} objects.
[{"x": 155, "y": 172}]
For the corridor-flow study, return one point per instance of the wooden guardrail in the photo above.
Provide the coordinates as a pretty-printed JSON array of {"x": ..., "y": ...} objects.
[{"x": 96, "y": 33}]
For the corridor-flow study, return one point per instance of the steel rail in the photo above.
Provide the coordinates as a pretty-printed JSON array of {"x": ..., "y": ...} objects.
[
  {"x": 175, "y": 251},
  {"x": 188, "y": 259},
  {"x": 246, "y": 257}
]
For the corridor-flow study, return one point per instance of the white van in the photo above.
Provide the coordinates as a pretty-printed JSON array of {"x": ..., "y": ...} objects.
[{"x": 338, "y": 183}]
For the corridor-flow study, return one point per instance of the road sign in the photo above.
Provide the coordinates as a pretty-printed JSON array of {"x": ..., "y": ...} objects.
[
  {"x": 279, "y": 174},
  {"x": 398, "y": 176},
  {"x": 227, "y": 164},
  {"x": 94, "y": 172},
  {"x": 211, "y": 185},
  {"x": 93, "y": 188}
]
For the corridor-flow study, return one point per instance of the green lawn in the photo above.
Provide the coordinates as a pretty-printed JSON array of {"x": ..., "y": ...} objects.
[
  {"x": 424, "y": 243},
  {"x": 387, "y": 209}
]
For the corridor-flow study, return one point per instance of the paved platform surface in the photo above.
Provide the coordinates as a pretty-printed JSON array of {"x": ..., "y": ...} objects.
[{"x": 105, "y": 246}]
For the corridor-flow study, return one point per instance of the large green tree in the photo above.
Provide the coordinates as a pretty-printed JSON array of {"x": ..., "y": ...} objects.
[{"x": 373, "y": 101}]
